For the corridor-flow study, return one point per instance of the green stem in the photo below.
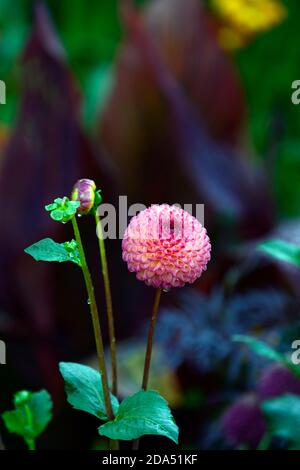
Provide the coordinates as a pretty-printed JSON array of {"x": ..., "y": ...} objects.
[
  {"x": 148, "y": 355},
  {"x": 265, "y": 441},
  {"x": 109, "y": 307},
  {"x": 150, "y": 339},
  {"x": 30, "y": 442},
  {"x": 95, "y": 320},
  {"x": 1, "y": 444}
]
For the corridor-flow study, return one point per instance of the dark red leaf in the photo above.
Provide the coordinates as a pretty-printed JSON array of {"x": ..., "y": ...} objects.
[
  {"x": 161, "y": 146},
  {"x": 181, "y": 30}
]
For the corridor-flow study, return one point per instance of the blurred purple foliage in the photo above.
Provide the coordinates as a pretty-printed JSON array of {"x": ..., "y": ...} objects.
[
  {"x": 200, "y": 329},
  {"x": 277, "y": 380},
  {"x": 243, "y": 422}
]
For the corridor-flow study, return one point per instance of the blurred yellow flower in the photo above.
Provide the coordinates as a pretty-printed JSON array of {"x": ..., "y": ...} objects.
[
  {"x": 163, "y": 377},
  {"x": 231, "y": 39},
  {"x": 245, "y": 18}
]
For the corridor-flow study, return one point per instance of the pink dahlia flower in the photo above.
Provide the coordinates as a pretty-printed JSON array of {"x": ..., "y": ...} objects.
[{"x": 166, "y": 247}]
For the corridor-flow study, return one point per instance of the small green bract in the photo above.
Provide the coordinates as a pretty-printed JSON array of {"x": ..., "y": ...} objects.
[
  {"x": 62, "y": 209},
  {"x": 97, "y": 202}
]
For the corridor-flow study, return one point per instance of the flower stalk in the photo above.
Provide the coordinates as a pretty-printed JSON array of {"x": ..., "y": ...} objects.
[
  {"x": 109, "y": 307},
  {"x": 95, "y": 320},
  {"x": 150, "y": 339},
  {"x": 148, "y": 355},
  {"x": 265, "y": 441}
]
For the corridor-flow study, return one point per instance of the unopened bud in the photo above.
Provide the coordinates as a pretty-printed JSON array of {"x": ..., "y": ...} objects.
[
  {"x": 21, "y": 398},
  {"x": 84, "y": 192}
]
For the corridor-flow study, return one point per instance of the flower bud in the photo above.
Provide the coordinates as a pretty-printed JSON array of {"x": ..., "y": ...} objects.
[
  {"x": 21, "y": 398},
  {"x": 62, "y": 209},
  {"x": 84, "y": 193}
]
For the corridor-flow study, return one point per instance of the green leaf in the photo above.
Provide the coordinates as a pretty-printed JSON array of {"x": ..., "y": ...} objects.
[
  {"x": 48, "y": 250},
  {"x": 283, "y": 415},
  {"x": 84, "y": 389},
  {"x": 58, "y": 200},
  {"x": 30, "y": 418},
  {"x": 41, "y": 410},
  {"x": 57, "y": 215},
  {"x": 282, "y": 251},
  {"x": 51, "y": 207},
  {"x": 260, "y": 348},
  {"x": 146, "y": 412},
  {"x": 15, "y": 421},
  {"x": 97, "y": 87}
]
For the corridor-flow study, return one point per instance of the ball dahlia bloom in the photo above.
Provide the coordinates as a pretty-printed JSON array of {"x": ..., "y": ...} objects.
[{"x": 166, "y": 247}]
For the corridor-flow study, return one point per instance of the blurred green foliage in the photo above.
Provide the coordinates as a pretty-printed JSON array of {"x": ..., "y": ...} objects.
[
  {"x": 268, "y": 67},
  {"x": 90, "y": 32}
]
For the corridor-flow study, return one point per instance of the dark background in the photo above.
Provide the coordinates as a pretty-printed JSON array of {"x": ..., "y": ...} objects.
[{"x": 162, "y": 101}]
